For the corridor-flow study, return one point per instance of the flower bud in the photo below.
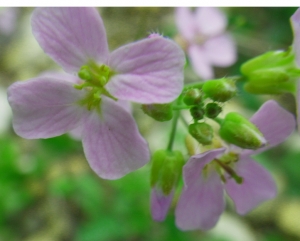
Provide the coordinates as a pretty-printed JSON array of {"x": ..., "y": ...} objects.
[
  {"x": 166, "y": 169},
  {"x": 271, "y": 73},
  {"x": 220, "y": 90},
  {"x": 212, "y": 110},
  {"x": 202, "y": 132},
  {"x": 197, "y": 112},
  {"x": 159, "y": 112},
  {"x": 192, "y": 97},
  {"x": 237, "y": 130}
]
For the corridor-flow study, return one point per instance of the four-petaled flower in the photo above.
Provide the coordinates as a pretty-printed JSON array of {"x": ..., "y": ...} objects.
[
  {"x": 203, "y": 37},
  {"x": 206, "y": 175},
  {"x": 147, "y": 71}
]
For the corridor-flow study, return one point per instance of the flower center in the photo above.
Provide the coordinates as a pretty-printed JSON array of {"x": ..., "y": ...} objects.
[
  {"x": 224, "y": 166},
  {"x": 94, "y": 80}
]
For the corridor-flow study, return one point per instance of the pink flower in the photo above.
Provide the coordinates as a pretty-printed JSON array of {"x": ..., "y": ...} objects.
[
  {"x": 147, "y": 71},
  {"x": 204, "y": 37},
  {"x": 206, "y": 175}
]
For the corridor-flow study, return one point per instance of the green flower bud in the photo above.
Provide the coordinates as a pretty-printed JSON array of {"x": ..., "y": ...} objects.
[
  {"x": 212, "y": 110},
  {"x": 192, "y": 97},
  {"x": 166, "y": 169},
  {"x": 159, "y": 112},
  {"x": 220, "y": 90},
  {"x": 237, "y": 130},
  {"x": 197, "y": 112},
  {"x": 202, "y": 132},
  {"x": 271, "y": 73}
]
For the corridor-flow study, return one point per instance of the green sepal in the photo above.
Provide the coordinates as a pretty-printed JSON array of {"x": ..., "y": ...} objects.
[
  {"x": 220, "y": 90},
  {"x": 166, "y": 169},
  {"x": 202, "y": 132},
  {"x": 237, "y": 130},
  {"x": 159, "y": 112}
]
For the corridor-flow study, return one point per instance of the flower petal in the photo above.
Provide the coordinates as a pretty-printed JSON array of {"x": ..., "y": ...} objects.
[
  {"x": 200, "y": 62},
  {"x": 220, "y": 50},
  {"x": 186, "y": 22},
  {"x": 160, "y": 204},
  {"x": 257, "y": 186},
  {"x": 148, "y": 71},
  {"x": 201, "y": 202},
  {"x": 274, "y": 122},
  {"x": 295, "y": 21},
  {"x": 71, "y": 36},
  {"x": 44, "y": 107},
  {"x": 210, "y": 21},
  {"x": 112, "y": 143}
]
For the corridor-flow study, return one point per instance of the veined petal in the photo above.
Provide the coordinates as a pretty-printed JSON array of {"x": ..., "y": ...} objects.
[
  {"x": 257, "y": 186},
  {"x": 186, "y": 22},
  {"x": 71, "y": 36},
  {"x": 200, "y": 62},
  {"x": 148, "y": 71},
  {"x": 112, "y": 143},
  {"x": 295, "y": 21},
  {"x": 201, "y": 202},
  {"x": 44, "y": 107},
  {"x": 274, "y": 122},
  {"x": 210, "y": 21},
  {"x": 160, "y": 204},
  {"x": 220, "y": 50}
]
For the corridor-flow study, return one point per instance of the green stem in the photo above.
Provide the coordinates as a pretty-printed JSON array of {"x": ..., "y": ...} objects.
[
  {"x": 173, "y": 130},
  {"x": 180, "y": 107}
]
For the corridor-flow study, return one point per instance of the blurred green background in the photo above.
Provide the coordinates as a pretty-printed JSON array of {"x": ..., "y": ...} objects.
[{"x": 49, "y": 193}]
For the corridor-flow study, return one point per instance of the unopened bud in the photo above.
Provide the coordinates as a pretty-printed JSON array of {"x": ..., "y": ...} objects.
[
  {"x": 166, "y": 169},
  {"x": 237, "y": 130},
  {"x": 220, "y": 90},
  {"x": 192, "y": 97},
  {"x": 202, "y": 132},
  {"x": 159, "y": 112},
  {"x": 212, "y": 110},
  {"x": 197, "y": 112}
]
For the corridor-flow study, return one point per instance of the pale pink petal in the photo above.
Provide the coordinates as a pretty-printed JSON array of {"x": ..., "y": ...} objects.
[
  {"x": 295, "y": 21},
  {"x": 274, "y": 122},
  {"x": 44, "y": 107},
  {"x": 112, "y": 143},
  {"x": 201, "y": 202},
  {"x": 200, "y": 62},
  {"x": 258, "y": 185},
  {"x": 160, "y": 204},
  {"x": 210, "y": 21},
  {"x": 220, "y": 50},
  {"x": 186, "y": 22},
  {"x": 71, "y": 36},
  {"x": 147, "y": 71},
  {"x": 76, "y": 133}
]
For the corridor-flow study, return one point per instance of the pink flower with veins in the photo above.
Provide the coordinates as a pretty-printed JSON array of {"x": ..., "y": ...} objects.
[
  {"x": 232, "y": 169},
  {"x": 204, "y": 39},
  {"x": 147, "y": 71}
]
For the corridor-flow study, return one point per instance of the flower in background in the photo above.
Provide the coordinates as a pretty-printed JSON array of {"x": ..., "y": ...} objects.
[
  {"x": 203, "y": 36},
  {"x": 206, "y": 175},
  {"x": 147, "y": 71},
  {"x": 8, "y": 20}
]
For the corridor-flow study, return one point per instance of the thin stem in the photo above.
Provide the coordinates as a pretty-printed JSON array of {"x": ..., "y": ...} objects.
[
  {"x": 173, "y": 130},
  {"x": 180, "y": 107}
]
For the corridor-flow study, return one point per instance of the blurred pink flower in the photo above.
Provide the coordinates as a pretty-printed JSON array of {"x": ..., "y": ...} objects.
[
  {"x": 204, "y": 39},
  {"x": 205, "y": 177},
  {"x": 147, "y": 71},
  {"x": 8, "y": 20}
]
